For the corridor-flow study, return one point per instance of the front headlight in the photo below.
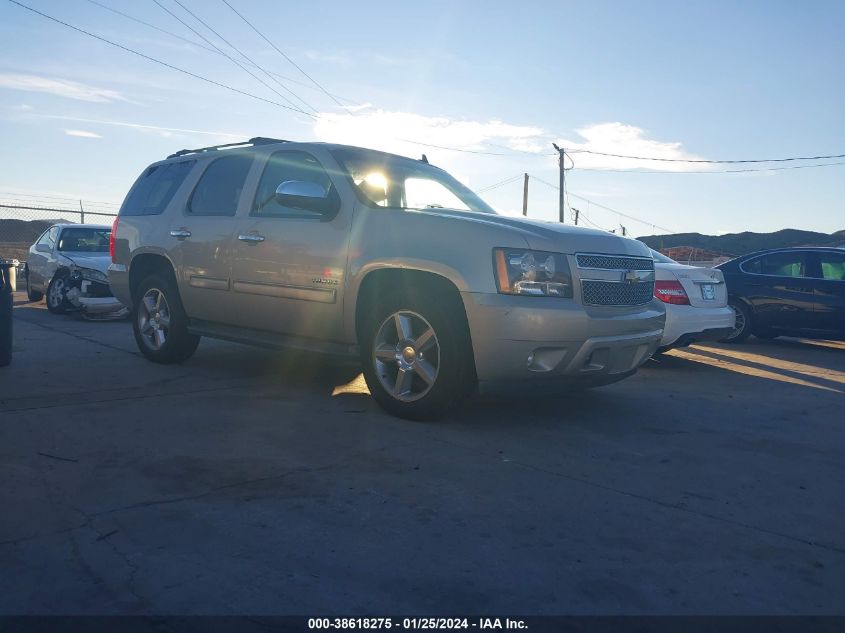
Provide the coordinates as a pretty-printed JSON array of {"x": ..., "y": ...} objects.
[
  {"x": 533, "y": 273},
  {"x": 91, "y": 275}
]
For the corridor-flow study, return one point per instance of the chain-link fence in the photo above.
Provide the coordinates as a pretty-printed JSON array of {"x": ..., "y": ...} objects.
[{"x": 24, "y": 218}]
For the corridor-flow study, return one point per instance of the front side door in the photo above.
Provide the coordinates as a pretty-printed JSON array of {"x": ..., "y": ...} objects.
[
  {"x": 39, "y": 260},
  {"x": 780, "y": 290},
  {"x": 201, "y": 238},
  {"x": 289, "y": 264},
  {"x": 829, "y": 314}
]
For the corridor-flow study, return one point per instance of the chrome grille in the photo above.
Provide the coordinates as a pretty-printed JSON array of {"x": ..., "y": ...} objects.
[
  {"x": 615, "y": 262},
  {"x": 613, "y": 293}
]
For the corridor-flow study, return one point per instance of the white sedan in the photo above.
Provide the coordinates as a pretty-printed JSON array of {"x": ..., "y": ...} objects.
[{"x": 696, "y": 303}]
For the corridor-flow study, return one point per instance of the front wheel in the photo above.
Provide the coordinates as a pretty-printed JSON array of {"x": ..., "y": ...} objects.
[
  {"x": 160, "y": 324},
  {"x": 57, "y": 302},
  {"x": 417, "y": 358},
  {"x": 742, "y": 325}
]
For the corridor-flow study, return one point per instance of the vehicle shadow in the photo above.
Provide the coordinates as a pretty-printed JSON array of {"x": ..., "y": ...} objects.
[{"x": 767, "y": 362}]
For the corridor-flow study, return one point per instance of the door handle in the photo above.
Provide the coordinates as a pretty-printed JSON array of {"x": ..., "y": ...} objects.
[
  {"x": 250, "y": 238},
  {"x": 180, "y": 234}
]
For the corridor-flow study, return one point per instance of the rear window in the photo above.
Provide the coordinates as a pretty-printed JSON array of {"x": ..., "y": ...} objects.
[{"x": 155, "y": 188}]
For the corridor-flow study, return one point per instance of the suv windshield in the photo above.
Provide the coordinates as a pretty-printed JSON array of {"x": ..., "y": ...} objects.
[
  {"x": 390, "y": 181},
  {"x": 85, "y": 240}
]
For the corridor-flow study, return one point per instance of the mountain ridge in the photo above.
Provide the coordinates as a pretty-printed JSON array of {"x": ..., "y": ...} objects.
[{"x": 736, "y": 244}]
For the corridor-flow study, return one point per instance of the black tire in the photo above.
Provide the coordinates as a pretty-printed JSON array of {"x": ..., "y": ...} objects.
[
  {"x": 156, "y": 303},
  {"x": 454, "y": 374},
  {"x": 31, "y": 294},
  {"x": 744, "y": 321},
  {"x": 56, "y": 301}
]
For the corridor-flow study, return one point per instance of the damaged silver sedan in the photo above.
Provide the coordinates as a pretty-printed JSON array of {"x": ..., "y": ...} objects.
[{"x": 68, "y": 263}]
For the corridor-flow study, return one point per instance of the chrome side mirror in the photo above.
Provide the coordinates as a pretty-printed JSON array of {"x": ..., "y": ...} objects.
[{"x": 308, "y": 196}]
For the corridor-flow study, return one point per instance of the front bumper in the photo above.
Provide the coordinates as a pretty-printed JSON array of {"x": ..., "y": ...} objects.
[
  {"x": 534, "y": 341},
  {"x": 688, "y": 324}
]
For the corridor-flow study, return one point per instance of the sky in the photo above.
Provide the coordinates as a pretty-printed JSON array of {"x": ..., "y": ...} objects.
[{"x": 494, "y": 82}]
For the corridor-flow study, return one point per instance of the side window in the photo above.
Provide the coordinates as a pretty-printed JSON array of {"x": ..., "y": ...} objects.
[
  {"x": 785, "y": 264},
  {"x": 45, "y": 237},
  {"x": 282, "y": 167},
  {"x": 155, "y": 188},
  {"x": 752, "y": 265},
  {"x": 833, "y": 266},
  {"x": 220, "y": 187},
  {"x": 49, "y": 237}
]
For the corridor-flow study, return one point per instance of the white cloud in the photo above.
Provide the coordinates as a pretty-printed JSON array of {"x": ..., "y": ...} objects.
[
  {"x": 59, "y": 87},
  {"x": 627, "y": 140},
  {"x": 397, "y": 131},
  {"x": 166, "y": 132},
  {"x": 82, "y": 134}
]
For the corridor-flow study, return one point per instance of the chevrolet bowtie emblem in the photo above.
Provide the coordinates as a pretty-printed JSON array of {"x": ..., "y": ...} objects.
[{"x": 630, "y": 277}]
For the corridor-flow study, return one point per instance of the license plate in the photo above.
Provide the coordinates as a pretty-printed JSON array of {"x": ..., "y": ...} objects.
[{"x": 708, "y": 293}]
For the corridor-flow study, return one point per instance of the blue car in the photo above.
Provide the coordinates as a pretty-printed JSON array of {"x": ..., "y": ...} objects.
[{"x": 787, "y": 292}]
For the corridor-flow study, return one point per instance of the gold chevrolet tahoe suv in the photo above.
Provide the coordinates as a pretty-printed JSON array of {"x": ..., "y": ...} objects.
[{"x": 353, "y": 252}]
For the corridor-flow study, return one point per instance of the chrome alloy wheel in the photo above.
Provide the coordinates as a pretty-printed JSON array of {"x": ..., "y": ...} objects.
[
  {"x": 406, "y": 355},
  {"x": 739, "y": 323},
  {"x": 56, "y": 292},
  {"x": 154, "y": 318}
]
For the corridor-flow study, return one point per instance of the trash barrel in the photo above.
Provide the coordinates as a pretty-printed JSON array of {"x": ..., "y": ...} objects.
[{"x": 8, "y": 283}]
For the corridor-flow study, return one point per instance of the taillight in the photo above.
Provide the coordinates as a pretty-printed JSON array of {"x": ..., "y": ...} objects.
[
  {"x": 112, "y": 236},
  {"x": 671, "y": 292}
]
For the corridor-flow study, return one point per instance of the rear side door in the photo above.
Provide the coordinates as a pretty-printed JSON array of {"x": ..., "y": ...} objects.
[
  {"x": 780, "y": 289},
  {"x": 829, "y": 314},
  {"x": 289, "y": 263},
  {"x": 201, "y": 238}
]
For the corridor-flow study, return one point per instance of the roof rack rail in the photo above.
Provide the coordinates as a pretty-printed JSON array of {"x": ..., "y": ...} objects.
[{"x": 257, "y": 140}]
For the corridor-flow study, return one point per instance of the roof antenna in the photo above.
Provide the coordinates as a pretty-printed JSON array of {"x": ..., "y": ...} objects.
[{"x": 425, "y": 159}]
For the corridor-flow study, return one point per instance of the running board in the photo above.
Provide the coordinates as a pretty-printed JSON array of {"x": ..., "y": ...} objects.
[{"x": 272, "y": 340}]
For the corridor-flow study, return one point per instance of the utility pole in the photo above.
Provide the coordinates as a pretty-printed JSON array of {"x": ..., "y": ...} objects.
[
  {"x": 81, "y": 213},
  {"x": 624, "y": 230},
  {"x": 525, "y": 196},
  {"x": 577, "y": 213},
  {"x": 562, "y": 187}
]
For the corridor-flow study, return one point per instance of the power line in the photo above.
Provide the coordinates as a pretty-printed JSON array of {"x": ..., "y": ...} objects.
[
  {"x": 198, "y": 44},
  {"x": 501, "y": 183},
  {"x": 226, "y": 55},
  {"x": 606, "y": 208},
  {"x": 701, "y": 160},
  {"x": 245, "y": 56},
  {"x": 710, "y": 171},
  {"x": 278, "y": 50},
  {"x": 48, "y": 197},
  {"x": 158, "y": 61}
]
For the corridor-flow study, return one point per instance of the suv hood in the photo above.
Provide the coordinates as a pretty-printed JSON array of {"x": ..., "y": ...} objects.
[
  {"x": 553, "y": 236},
  {"x": 97, "y": 261}
]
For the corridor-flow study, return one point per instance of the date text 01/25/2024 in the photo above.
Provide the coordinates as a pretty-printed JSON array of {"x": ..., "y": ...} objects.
[{"x": 431, "y": 624}]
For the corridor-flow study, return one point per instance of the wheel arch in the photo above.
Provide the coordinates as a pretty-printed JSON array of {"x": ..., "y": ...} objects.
[{"x": 144, "y": 264}]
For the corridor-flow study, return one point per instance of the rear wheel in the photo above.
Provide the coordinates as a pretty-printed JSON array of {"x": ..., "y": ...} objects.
[
  {"x": 160, "y": 323},
  {"x": 32, "y": 295},
  {"x": 56, "y": 300},
  {"x": 742, "y": 326},
  {"x": 417, "y": 358}
]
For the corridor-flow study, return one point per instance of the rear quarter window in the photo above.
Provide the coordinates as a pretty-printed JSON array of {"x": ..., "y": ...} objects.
[{"x": 155, "y": 188}]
